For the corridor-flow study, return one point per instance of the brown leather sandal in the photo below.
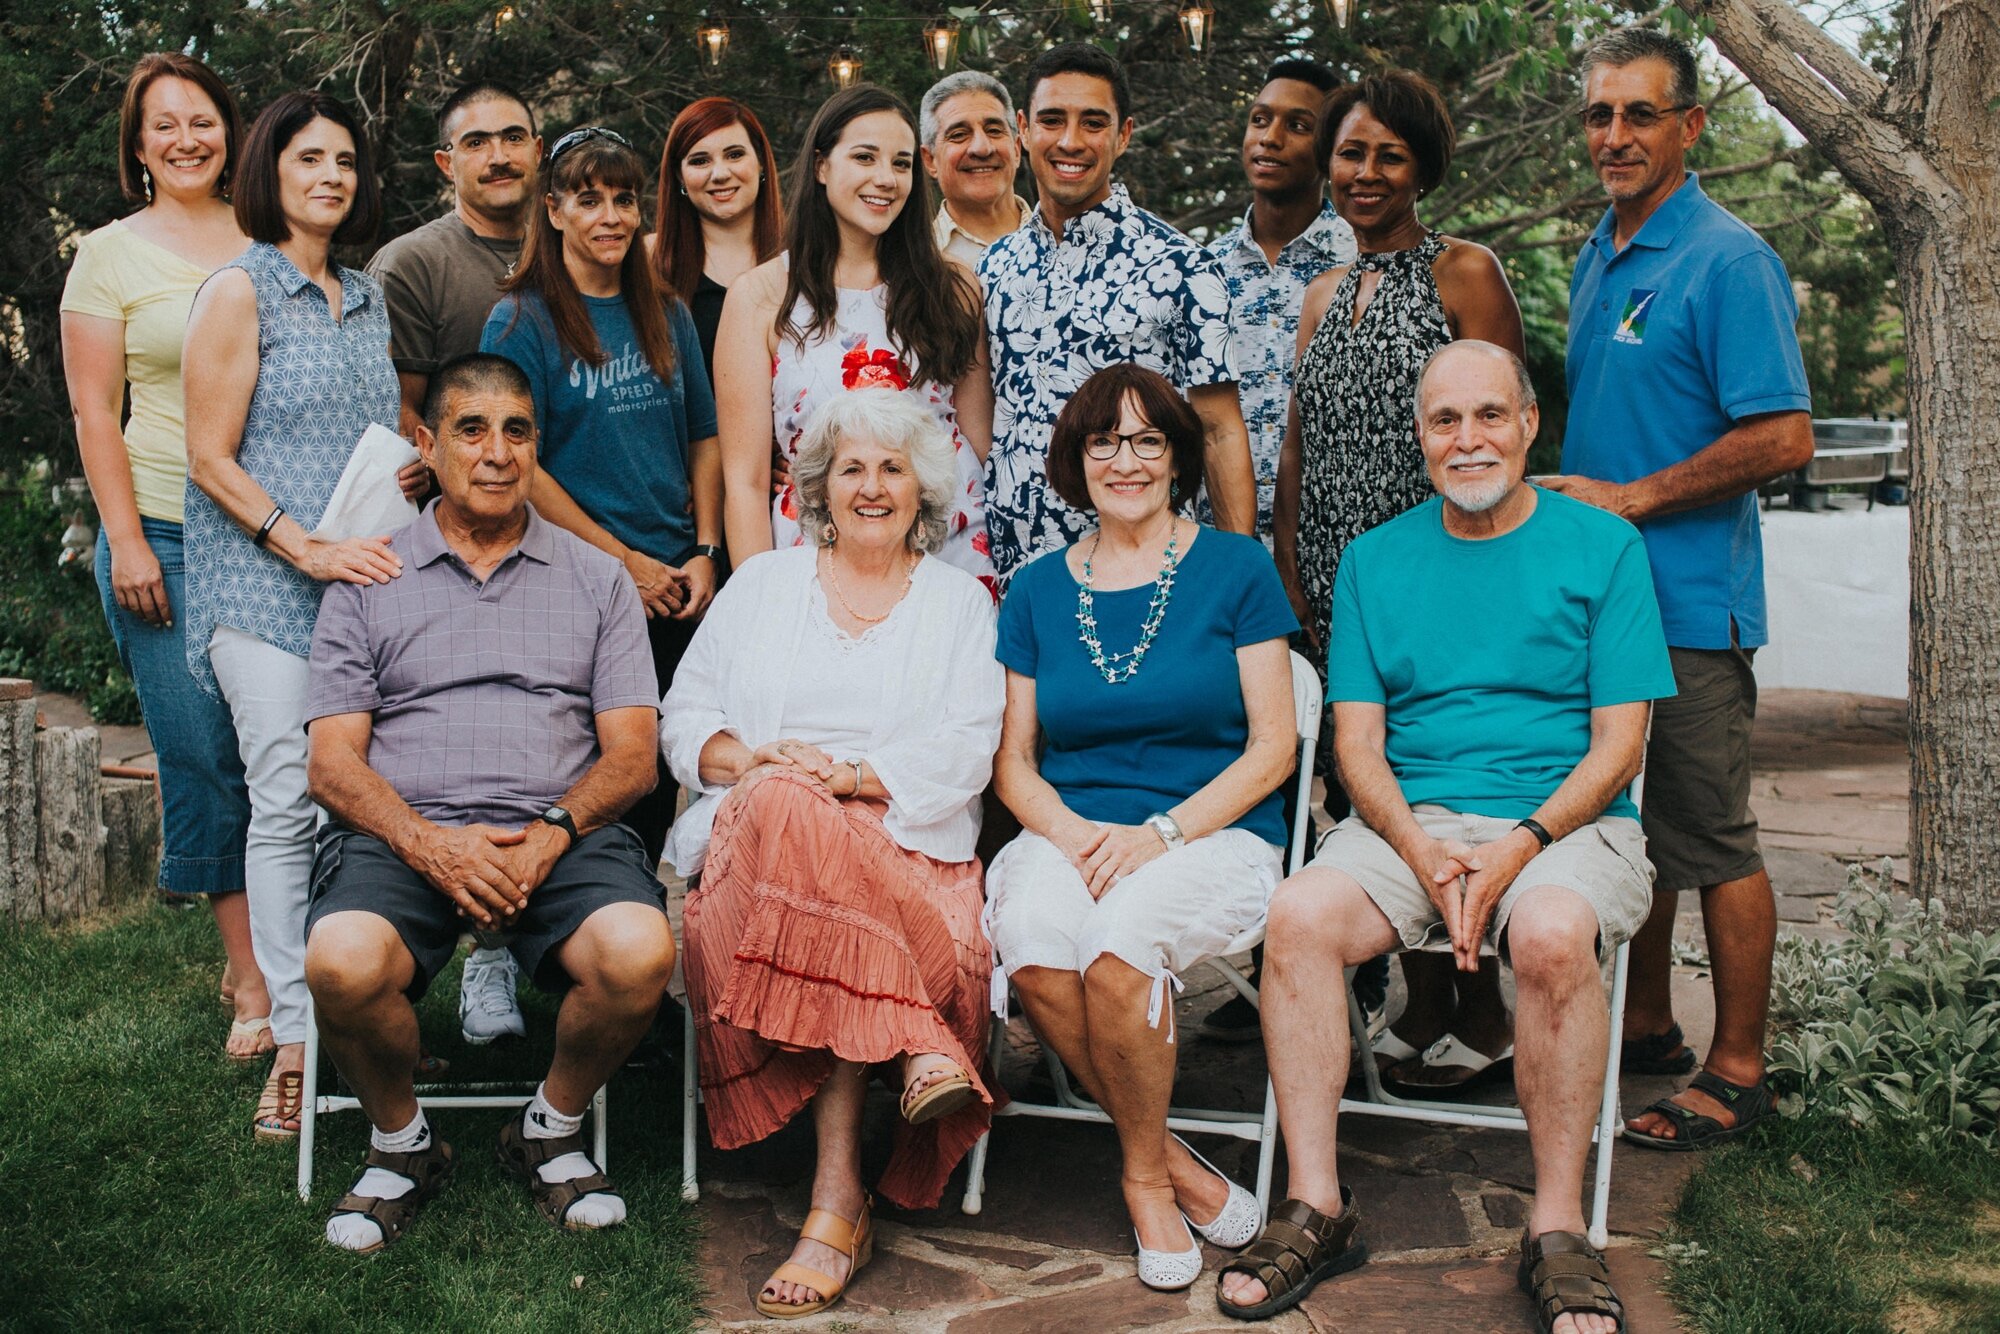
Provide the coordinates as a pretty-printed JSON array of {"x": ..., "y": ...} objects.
[
  {"x": 855, "y": 1240},
  {"x": 1298, "y": 1249},
  {"x": 283, "y": 1099},
  {"x": 554, "y": 1199},
  {"x": 1565, "y": 1275},
  {"x": 428, "y": 1168}
]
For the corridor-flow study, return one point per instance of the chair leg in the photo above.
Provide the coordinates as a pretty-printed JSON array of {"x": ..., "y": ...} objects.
[
  {"x": 1267, "y": 1148},
  {"x": 1607, "y": 1114},
  {"x": 1363, "y": 1049},
  {"x": 975, "y": 1171},
  {"x": 690, "y": 1095},
  {"x": 309, "y": 1103},
  {"x": 601, "y": 1134}
]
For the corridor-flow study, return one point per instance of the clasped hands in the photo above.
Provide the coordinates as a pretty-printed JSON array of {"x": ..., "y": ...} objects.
[
  {"x": 1467, "y": 883},
  {"x": 1104, "y": 854},
  {"x": 680, "y": 593},
  {"x": 487, "y": 871},
  {"x": 804, "y": 757}
]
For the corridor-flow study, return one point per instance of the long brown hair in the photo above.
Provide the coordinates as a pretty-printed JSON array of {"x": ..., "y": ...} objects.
[
  {"x": 132, "y": 175},
  {"x": 933, "y": 306},
  {"x": 608, "y": 165},
  {"x": 679, "y": 253}
]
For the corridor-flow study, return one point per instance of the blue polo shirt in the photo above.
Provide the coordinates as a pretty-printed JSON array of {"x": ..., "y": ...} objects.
[{"x": 1672, "y": 341}]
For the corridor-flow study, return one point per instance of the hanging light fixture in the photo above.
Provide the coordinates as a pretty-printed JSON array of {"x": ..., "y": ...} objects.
[
  {"x": 1100, "y": 12},
  {"x": 844, "y": 67},
  {"x": 941, "y": 44},
  {"x": 713, "y": 38},
  {"x": 1197, "y": 24},
  {"x": 1342, "y": 11}
]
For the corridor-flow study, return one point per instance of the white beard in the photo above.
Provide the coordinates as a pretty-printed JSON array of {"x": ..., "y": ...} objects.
[{"x": 1477, "y": 497}]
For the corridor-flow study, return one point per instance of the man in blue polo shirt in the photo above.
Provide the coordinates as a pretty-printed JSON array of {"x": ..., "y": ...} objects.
[{"x": 1687, "y": 392}]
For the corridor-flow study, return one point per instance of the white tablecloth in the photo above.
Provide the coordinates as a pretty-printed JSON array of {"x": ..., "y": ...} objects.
[{"x": 1838, "y": 587}]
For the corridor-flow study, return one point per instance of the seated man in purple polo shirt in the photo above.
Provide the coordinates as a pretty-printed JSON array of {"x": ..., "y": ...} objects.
[{"x": 477, "y": 726}]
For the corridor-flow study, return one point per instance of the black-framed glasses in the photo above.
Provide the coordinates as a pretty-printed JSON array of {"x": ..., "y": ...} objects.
[
  {"x": 1598, "y": 116},
  {"x": 1145, "y": 444},
  {"x": 583, "y": 136}
]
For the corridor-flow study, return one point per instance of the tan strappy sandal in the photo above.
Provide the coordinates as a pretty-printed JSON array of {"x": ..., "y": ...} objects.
[
  {"x": 855, "y": 1240},
  {"x": 282, "y": 1100}
]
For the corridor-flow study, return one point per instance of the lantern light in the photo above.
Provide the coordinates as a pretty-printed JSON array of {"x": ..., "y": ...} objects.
[
  {"x": 1198, "y": 23},
  {"x": 844, "y": 66},
  {"x": 713, "y": 38},
  {"x": 941, "y": 44}
]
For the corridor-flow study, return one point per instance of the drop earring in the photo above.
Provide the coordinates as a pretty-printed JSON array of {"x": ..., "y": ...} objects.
[{"x": 829, "y": 534}]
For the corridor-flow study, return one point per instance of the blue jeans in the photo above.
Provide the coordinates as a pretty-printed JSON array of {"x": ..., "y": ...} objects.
[{"x": 207, "y": 805}]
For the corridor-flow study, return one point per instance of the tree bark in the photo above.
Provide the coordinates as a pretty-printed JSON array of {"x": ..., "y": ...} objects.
[
  {"x": 1924, "y": 149},
  {"x": 131, "y": 840},
  {"x": 70, "y": 813},
  {"x": 20, "y": 882}
]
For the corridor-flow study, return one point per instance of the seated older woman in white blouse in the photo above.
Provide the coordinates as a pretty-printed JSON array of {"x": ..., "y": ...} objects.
[{"x": 837, "y": 715}]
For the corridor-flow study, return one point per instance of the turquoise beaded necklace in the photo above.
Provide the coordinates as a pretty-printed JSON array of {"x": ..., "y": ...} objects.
[{"x": 1108, "y": 665}]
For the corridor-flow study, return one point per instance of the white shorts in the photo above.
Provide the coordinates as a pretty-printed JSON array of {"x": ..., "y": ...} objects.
[{"x": 1170, "y": 914}]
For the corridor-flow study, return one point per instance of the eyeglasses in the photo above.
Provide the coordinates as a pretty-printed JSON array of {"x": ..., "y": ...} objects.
[
  {"x": 1106, "y": 444},
  {"x": 583, "y": 136},
  {"x": 1598, "y": 116}
]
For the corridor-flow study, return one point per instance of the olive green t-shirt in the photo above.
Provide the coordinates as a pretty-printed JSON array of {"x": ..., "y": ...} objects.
[{"x": 440, "y": 282}]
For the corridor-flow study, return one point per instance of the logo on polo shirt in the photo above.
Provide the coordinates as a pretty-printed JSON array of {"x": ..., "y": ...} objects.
[{"x": 1632, "y": 324}]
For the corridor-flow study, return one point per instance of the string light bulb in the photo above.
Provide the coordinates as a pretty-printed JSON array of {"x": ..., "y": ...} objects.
[
  {"x": 1198, "y": 24},
  {"x": 713, "y": 38},
  {"x": 1342, "y": 11},
  {"x": 941, "y": 44},
  {"x": 844, "y": 67}
]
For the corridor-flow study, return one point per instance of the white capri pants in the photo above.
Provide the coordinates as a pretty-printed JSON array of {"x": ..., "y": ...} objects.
[
  {"x": 266, "y": 691},
  {"x": 1170, "y": 914}
]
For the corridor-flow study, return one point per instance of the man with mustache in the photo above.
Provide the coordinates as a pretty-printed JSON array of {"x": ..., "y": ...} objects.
[
  {"x": 440, "y": 282},
  {"x": 1495, "y": 653},
  {"x": 1687, "y": 393},
  {"x": 970, "y": 148}
]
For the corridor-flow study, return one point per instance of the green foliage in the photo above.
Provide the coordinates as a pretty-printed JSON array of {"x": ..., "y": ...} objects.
[
  {"x": 52, "y": 628},
  {"x": 1895, "y": 1027}
]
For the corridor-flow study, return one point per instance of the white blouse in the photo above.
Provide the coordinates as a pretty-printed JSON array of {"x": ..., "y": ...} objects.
[{"x": 922, "y": 688}]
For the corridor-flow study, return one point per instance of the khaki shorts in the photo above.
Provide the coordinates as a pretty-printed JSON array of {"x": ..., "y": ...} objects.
[
  {"x": 1696, "y": 800},
  {"x": 1602, "y": 863}
]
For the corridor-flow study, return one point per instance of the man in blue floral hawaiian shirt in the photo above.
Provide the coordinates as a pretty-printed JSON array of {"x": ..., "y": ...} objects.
[
  {"x": 1091, "y": 281},
  {"x": 1289, "y": 236}
]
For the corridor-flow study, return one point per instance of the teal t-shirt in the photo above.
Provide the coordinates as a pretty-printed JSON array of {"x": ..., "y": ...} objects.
[
  {"x": 1489, "y": 655},
  {"x": 614, "y": 436},
  {"x": 1118, "y": 753}
]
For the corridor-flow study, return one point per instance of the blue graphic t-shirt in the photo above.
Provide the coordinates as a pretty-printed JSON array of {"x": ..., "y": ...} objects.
[{"x": 614, "y": 436}]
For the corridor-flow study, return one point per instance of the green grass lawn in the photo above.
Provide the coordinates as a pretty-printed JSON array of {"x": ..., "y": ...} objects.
[
  {"x": 1816, "y": 1228},
  {"x": 136, "y": 1199}
]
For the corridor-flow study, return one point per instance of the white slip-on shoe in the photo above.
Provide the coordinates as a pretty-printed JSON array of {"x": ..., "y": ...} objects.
[
  {"x": 1238, "y": 1223},
  {"x": 1169, "y": 1271},
  {"x": 487, "y": 1008}
]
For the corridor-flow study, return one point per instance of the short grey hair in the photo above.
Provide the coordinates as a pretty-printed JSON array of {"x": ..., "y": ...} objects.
[
  {"x": 896, "y": 420},
  {"x": 1620, "y": 48},
  {"x": 1524, "y": 385},
  {"x": 950, "y": 86}
]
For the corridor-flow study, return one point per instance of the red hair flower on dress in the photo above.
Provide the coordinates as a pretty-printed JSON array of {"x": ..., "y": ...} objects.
[{"x": 880, "y": 369}]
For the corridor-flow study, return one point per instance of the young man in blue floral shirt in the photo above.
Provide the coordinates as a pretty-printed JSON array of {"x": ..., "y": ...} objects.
[
  {"x": 1093, "y": 280},
  {"x": 1289, "y": 236}
]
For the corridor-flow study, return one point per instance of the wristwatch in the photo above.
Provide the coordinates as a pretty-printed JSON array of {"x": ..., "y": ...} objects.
[
  {"x": 709, "y": 550},
  {"x": 1169, "y": 831},
  {"x": 559, "y": 817},
  {"x": 1542, "y": 836}
]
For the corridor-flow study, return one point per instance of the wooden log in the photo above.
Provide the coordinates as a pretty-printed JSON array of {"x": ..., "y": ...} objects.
[
  {"x": 70, "y": 816},
  {"x": 131, "y": 840},
  {"x": 20, "y": 882}
]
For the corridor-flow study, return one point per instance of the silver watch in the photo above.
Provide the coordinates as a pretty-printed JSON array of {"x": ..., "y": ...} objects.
[{"x": 1169, "y": 832}]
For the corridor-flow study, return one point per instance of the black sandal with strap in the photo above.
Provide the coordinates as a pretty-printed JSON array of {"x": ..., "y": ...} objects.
[
  {"x": 1565, "y": 1275},
  {"x": 1694, "y": 1130},
  {"x": 1298, "y": 1249},
  {"x": 428, "y": 1168},
  {"x": 522, "y": 1156},
  {"x": 1656, "y": 1054}
]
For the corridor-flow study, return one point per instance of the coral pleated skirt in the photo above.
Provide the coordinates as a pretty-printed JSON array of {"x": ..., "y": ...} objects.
[{"x": 815, "y": 937}]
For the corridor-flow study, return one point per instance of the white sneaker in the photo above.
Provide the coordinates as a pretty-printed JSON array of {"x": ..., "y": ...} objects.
[{"x": 486, "y": 1005}]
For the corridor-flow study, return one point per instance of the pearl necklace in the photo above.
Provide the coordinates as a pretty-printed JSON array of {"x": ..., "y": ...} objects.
[
  {"x": 1086, "y": 616},
  {"x": 833, "y": 578}
]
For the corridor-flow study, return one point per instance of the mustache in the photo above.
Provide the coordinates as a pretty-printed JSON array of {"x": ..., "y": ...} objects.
[{"x": 503, "y": 174}]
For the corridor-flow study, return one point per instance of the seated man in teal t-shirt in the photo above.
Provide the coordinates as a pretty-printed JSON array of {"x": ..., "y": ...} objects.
[{"x": 1495, "y": 653}]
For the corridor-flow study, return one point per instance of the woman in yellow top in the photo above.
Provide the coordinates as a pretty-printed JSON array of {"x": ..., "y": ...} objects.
[{"x": 124, "y": 313}]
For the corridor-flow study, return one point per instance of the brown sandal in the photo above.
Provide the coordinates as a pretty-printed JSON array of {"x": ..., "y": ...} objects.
[
  {"x": 1298, "y": 1249},
  {"x": 554, "y": 1199},
  {"x": 855, "y": 1240},
  {"x": 942, "y": 1096},
  {"x": 428, "y": 1168},
  {"x": 1565, "y": 1275},
  {"x": 282, "y": 1100}
]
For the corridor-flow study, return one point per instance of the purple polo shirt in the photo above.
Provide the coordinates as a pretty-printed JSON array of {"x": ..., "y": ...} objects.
[{"x": 485, "y": 695}]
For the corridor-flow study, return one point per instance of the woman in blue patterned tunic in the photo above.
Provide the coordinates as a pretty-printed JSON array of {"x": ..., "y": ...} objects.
[{"x": 286, "y": 364}]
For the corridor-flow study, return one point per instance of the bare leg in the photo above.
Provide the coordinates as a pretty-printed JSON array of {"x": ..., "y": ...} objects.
[
  {"x": 1561, "y": 1042},
  {"x": 240, "y": 976},
  {"x": 1480, "y": 1018},
  {"x": 1430, "y": 986},
  {"x": 1137, "y": 1068},
  {"x": 836, "y": 1112},
  {"x": 1321, "y": 921},
  {"x": 357, "y": 968},
  {"x": 620, "y": 961},
  {"x": 1649, "y": 972}
]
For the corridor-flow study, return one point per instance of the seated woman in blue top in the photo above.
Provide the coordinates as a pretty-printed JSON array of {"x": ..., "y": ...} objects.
[
  {"x": 622, "y": 402},
  {"x": 1149, "y": 723}
]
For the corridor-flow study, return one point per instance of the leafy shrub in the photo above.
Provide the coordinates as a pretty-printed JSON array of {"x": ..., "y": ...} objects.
[
  {"x": 1896, "y": 1026},
  {"x": 51, "y": 626}
]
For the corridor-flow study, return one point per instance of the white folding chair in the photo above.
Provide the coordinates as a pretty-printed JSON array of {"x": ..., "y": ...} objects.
[
  {"x": 467, "y": 1094},
  {"x": 1261, "y": 1127}
]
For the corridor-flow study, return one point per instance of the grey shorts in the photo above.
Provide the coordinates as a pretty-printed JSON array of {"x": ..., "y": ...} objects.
[
  {"x": 1604, "y": 863},
  {"x": 1696, "y": 801}
]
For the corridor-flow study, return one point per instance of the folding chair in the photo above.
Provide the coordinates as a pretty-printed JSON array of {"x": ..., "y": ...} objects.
[
  {"x": 1260, "y": 1127},
  {"x": 468, "y": 1094}
]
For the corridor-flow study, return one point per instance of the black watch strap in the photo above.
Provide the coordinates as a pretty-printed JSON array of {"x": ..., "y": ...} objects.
[
  {"x": 711, "y": 551},
  {"x": 1533, "y": 826},
  {"x": 560, "y": 818}
]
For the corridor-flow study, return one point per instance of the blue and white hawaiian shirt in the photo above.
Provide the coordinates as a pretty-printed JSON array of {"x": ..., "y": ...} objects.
[
  {"x": 1264, "y": 303},
  {"x": 1118, "y": 285}
]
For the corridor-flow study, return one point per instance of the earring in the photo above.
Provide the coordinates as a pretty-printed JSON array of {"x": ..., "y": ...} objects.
[
  {"x": 1174, "y": 491},
  {"x": 829, "y": 534}
]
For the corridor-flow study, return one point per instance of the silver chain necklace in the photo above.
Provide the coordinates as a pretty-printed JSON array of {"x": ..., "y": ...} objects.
[{"x": 1086, "y": 615}]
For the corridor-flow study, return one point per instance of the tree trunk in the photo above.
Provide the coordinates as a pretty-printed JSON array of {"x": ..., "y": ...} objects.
[
  {"x": 131, "y": 840},
  {"x": 20, "y": 882},
  {"x": 70, "y": 812}
]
